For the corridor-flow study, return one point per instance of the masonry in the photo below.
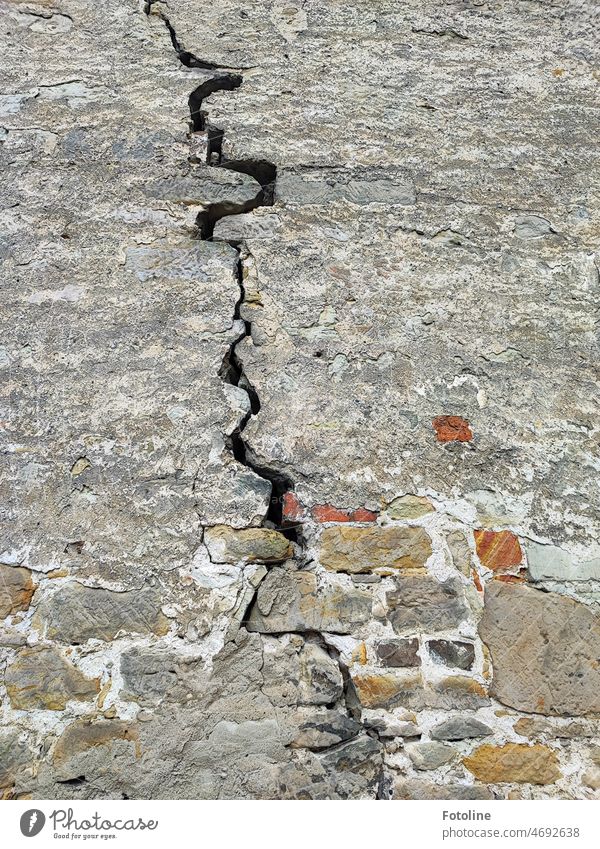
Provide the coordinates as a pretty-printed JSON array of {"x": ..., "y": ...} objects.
[{"x": 300, "y": 400}]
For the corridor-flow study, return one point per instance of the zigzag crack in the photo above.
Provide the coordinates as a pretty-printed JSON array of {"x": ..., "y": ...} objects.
[{"x": 265, "y": 175}]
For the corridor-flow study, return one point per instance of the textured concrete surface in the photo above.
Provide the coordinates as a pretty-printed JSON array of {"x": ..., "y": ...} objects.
[{"x": 300, "y": 399}]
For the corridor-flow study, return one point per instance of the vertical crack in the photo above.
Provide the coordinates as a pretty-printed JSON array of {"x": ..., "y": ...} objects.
[{"x": 265, "y": 174}]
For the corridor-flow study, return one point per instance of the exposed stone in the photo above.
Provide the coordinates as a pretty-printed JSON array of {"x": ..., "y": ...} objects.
[
  {"x": 430, "y": 755},
  {"x": 551, "y": 563},
  {"x": 293, "y": 601},
  {"x": 536, "y": 728},
  {"x": 460, "y": 728},
  {"x": 498, "y": 550},
  {"x": 389, "y": 726},
  {"x": 543, "y": 649},
  {"x": 424, "y": 603},
  {"x": 322, "y": 729},
  {"x": 452, "y": 429},
  {"x": 83, "y": 735},
  {"x": 356, "y": 767},
  {"x": 352, "y": 549},
  {"x": 15, "y": 758},
  {"x": 149, "y": 674},
  {"x": 40, "y": 679},
  {"x": 514, "y": 762},
  {"x": 13, "y": 638},
  {"x": 460, "y": 551},
  {"x": 458, "y": 692},
  {"x": 454, "y": 653},
  {"x": 320, "y": 677},
  {"x": 591, "y": 778},
  {"x": 414, "y": 789},
  {"x": 253, "y": 545},
  {"x": 376, "y": 691},
  {"x": 409, "y": 507},
  {"x": 398, "y": 653},
  {"x": 76, "y": 613},
  {"x": 16, "y": 589}
]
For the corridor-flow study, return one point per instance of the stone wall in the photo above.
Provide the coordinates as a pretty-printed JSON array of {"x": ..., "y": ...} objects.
[{"x": 300, "y": 400}]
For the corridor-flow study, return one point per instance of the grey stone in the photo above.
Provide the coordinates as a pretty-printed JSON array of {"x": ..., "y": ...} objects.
[
  {"x": 452, "y": 653},
  {"x": 76, "y": 613},
  {"x": 424, "y": 603},
  {"x": 323, "y": 729},
  {"x": 430, "y": 755},
  {"x": 15, "y": 758},
  {"x": 460, "y": 728},
  {"x": 415, "y": 789},
  {"x": 543, "y": 649},
  {"x": 551, "y": 563},
  {"x": 293, "y": 601}
]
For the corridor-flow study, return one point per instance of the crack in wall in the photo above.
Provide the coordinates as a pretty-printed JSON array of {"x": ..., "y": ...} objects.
[
  {"x": 265, "y": 175},
  {"x": 232, "y": 369}
]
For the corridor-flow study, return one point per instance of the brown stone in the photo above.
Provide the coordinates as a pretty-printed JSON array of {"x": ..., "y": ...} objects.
[
  {"x": 514, "y": 762},
  {"x": 544, "y": 650},
  {"x": 41, "y": 679},
  {"x": 498, "y": 550},
  {"x": 398, "y": 653},
  {"x": 16, "y": 589},
  {"x": 83, "y": 735},
  {"x": 351, "y": 549},
  {"x": 376, "y": 691},
  {"x": 253, "y": 545}
]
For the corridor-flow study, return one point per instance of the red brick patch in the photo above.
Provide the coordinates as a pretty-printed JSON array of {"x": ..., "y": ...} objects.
[
  {"x": 452, "y": 429},
  {"x": 498, "y": 550},
  {"x": 292, "y": 510},
  {"x": 327, "y": 513}
]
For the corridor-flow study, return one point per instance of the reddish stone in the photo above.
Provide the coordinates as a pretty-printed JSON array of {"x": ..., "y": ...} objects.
[
  {"x": 498, "y": 550},
  {"x": 452, "y": 429},
  {"x": 476, "y": 581},
  {"x": 363, "y": 515},
  {"x": 292, "y": 510},
  {"x": 520, "y": 578},
  {"x": 327, "y": 513}
]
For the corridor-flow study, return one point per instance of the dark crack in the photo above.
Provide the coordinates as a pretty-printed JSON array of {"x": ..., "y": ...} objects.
[{"x": 265, "y": 175}]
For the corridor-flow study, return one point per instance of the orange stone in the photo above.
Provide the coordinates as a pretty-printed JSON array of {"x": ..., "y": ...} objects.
[
  {"x": 498, "y": 550},
  {"x": 452, "y": 429},
  {"x": 516, "y": 762}
]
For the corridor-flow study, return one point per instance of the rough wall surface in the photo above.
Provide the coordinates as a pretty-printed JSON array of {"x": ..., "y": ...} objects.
[{"x": 300, "y": 399}]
